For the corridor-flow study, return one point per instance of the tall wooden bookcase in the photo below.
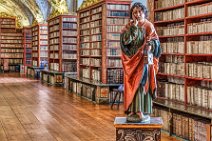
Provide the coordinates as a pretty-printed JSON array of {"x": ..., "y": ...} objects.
[
  {"x": 99, "y": 40},
  {"x": 27, "y": 44},
  {"x": 39, "y": 50},
  {"x": 62, "y": 32},
  {"x": 11, "y": 49},
  {"x": 99, "y": 64},
  {"x": 185, "y": 74},
  {"x": 40, "y": 45},
  {"x": 63, "y": 43}
]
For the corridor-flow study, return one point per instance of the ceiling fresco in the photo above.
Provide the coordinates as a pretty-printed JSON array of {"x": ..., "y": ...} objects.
[{"x": 29, "y": 11}]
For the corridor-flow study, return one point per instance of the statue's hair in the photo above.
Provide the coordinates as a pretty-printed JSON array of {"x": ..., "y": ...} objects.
[{"x": 139, "y": 5}]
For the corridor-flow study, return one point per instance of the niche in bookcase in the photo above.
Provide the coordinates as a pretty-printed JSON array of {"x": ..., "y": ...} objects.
[
  {"x": 99, "y": 48},
  {"x": 11, "y": 49},
  {"x": 185, "y": 73},
  {"x": 62, "y": 48}
]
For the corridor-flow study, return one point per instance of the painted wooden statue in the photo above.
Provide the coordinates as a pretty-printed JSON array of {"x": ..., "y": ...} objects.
[{"x": 140, "y": 55}]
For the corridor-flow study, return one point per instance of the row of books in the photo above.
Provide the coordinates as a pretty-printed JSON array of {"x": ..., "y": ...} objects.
[
  {"x": 54, "y": 28},
  {"x": 53, "y": 34},
  {"x": 11, "y": 68},
  {"x": 113, "y": 36},
  {"x": 44, "y": 54},
  {"x": 54, "y": 55},
  {"x": 85, "y": 45},
  {"x": 113, "y": 44},
  {"x": 83, "y": 20},
  {"x": 69, "y": 67},
  {"x": 115, "y": 76},
  {"x": 69, "y": 33},
  {"x": 172, "y": 68},
  {"x": 199, "y": 96},
  {"x": 35, "y": 38},
  {"x": 54, "y": 66},
  {"x": 200, "y": 70},
  {"x": 8, "y": 21},
  {"x": 96, "y": 30},
  {"x": 95, "y": 62},
  {"x": 113, "y": 52},
  {"x": 69, "y": 47},
  {"x": 41, "y": 32},
  {"x": 69, "y": 40},
  {"x": 56, "y": 21},
  {"x": 69, "y": 56},
  {"x": 87, "y": 91},
  {"x": 96, "y": 75},
  {"x": 69, "y": 26},
  {"x": 85, "y": 73},
  {"x": 117, "y": 21},
  {"x": 27, "y": 45},
  {"x": 11, "y": 46},
  {"x": 95, "y": 52},
  {"x": 118, "y": 7},
  {"x": 12, "y": 50},
  {"x": 85, "y": 61},
  {"x": 167, "y": 3},
  {"x": 96, "y": 37},
  {"x": 84, "y": 14},
  {"x": 84, "y": 52},
  {"x": 172, "y": 47},
  {"x": 171, "y": 91},
  {"x": 96, "y": 10},
  {"x": 170, "y": 30},
  {"x": 199, "y": 47},
  {"x": 11, "y": 55},
  {"x": 11, "y": 37},
  {"x": 69, "y": 19},
  {"x": 114, "y": 63},
  {"x": 205, "y": 8},
  {"x": 85, "y": 39},
  {"x": 11, "y": 34},
  {"x": 174, "y": 59},
  {"x": 11, "y": 41},
  {"x": 118, "y": 13},
  {"x": 85, "y": 32},
  {"x": 170, "y": 15},
  {"x": 34, "y": 54},
  {"x": 184, "y": 126},
  {"x": 96, "y": 16},
  {"x": 96, "y": 23},
  {"x": 84, "y": 26},
  {"x": 34, "y": 63},
  {"x": 7, "y": 26},
  {"x": 96, "y": 45},
  {"x": 200, "y": 27},
  {"x": 14, "y": 61},
  {"x": 114, "y": 28},
  {"x": 54, "y": 41}
]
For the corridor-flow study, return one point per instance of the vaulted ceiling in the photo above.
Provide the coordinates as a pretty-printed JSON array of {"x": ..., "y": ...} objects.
[{"x": 27, "y": 11}]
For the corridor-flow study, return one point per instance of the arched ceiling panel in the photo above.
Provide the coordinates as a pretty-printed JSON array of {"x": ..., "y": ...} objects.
[{"x": 28, "y": 11}]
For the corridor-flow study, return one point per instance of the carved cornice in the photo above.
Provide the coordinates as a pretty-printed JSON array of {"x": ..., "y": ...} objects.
[{"x": 87, "y": 3}]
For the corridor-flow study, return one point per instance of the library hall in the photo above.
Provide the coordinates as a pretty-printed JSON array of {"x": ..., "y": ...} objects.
[{"x": 105, "y": 70}]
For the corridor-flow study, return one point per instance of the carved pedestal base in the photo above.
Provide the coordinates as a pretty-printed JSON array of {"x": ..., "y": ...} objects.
[{"x": 149, "y": 131}]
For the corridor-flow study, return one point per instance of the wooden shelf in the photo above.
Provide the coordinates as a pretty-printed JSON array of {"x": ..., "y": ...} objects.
[
  {"x": 169, "y": 8},
  {"x": 196, "y": 2},
  {"x": 169, "y": 21}
]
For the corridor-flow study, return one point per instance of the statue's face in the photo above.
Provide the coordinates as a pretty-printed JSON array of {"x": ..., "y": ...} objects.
[{"x": 138, "y": 14}]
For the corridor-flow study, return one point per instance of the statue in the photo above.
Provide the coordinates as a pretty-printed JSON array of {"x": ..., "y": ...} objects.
[{"x": 140, "y": 55}]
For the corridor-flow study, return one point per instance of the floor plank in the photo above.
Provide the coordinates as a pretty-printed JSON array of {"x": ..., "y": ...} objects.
[{"x": 37, "y": 112}]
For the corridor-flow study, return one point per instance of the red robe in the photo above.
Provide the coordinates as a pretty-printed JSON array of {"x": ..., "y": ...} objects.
[{"x": 133, "y": 66}]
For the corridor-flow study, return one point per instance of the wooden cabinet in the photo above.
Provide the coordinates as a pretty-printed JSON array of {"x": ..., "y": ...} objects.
[{"x": 185, "y": 77}]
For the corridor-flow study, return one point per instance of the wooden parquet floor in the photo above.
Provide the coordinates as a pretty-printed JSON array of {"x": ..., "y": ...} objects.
[{"x": 36, "y": 112}]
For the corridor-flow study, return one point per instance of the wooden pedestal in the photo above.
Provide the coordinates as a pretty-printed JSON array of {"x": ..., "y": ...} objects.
[{"x": 149, "y": 131}]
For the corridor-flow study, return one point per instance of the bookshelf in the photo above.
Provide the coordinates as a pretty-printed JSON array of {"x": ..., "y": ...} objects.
[
  {"x": 27, "y": 44},
  {"x": 39, "y": 50},
  {"x": 185, "y": 73},
  {"x": 40, "y": 45},
  {"x": 62, "y": 48},
  {"x": 11, "y": 49},
  {"x": 99, "y": 51}
]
